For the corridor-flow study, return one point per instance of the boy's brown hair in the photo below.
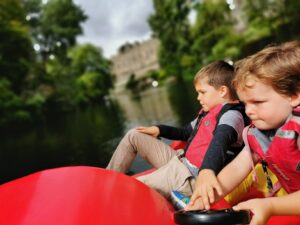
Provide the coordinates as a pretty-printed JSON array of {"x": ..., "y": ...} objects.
[
  {"x": 218, "y": 73},
  {"x": 277, "y": 66}
]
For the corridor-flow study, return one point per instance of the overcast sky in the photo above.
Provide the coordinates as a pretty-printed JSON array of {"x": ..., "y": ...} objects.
[{"x": 112, "y": 23}]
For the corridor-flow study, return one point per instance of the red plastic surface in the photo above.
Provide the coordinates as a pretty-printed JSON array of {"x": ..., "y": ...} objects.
[
  {"x": 284, "y": 220},
  {"x": 178, "y": 144},
  {"x": 81, "y": 196}
]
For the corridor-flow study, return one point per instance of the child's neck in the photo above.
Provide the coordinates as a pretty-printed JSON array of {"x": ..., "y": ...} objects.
[{"x": 229, "y": 101}]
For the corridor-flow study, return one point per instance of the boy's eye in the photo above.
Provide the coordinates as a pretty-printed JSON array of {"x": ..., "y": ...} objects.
[{"x": 258, "y": 102}]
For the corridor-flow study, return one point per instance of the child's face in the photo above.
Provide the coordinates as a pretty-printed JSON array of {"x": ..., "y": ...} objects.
[
  {"x": 266, "y": 108},
  {"x": 208, "y": 96}
]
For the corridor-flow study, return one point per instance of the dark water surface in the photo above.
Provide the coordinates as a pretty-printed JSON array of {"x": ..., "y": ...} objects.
[{"x": 89, "y": 137}]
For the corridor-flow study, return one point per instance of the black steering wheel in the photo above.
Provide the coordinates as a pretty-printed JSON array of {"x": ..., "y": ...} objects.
[{"x": 212, "y": 217}]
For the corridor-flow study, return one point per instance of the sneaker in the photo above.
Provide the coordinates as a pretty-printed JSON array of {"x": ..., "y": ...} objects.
[{"x": 179, "y": 200}]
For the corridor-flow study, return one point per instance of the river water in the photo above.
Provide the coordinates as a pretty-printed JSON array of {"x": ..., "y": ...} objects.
[{"x": 89, "y": 137}]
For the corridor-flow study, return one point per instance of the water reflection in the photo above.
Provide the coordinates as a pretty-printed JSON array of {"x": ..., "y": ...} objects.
[
  {"x": 81, "y": 138},
  {"x": 89, "y": 137},
  {"x": 173, "y": 104},
  {"x": 183, "y": 100}
]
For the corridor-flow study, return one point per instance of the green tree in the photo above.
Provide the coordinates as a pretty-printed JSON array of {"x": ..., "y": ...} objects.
[
  {"x": 261, "y": 24},
  {"x": 290, "y": 12},
  {"x": 16, "y": 50},
  {"x": 58, "y": 74},
  {"x": 33, "y": 10},
  {"x": 59, "y": 25},
  {"x": 60, "y": 80},
  {"x": 269, "y": 22},
  {"x": 170, "y": 25},
  {"x": 86, "y": 79},
  {"x": 92, "y": 72},
  {"x": 11, "y": 105},
  {"x": 213, "y": 32}
]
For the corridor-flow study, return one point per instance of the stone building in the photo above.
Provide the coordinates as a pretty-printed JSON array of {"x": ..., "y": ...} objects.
[{"x": 138, "y": 59}]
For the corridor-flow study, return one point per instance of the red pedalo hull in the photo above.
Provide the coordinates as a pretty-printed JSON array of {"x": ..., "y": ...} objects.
[
  {"x": 81, "y": 196},
  {"x": 90, "y": 196}
]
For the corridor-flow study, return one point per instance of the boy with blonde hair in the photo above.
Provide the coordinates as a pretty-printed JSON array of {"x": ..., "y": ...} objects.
[{"x": 268, "y": 82}]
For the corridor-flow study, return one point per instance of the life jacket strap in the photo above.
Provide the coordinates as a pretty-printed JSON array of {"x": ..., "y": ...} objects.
[
  {"x": 247, "y": 146},
  {"x": 273, "y": 188}
]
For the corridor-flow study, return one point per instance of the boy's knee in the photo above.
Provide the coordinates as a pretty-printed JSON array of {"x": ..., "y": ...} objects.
[
  {"x": 133, "y": 134},
  {"x": 132, "y": 131}
]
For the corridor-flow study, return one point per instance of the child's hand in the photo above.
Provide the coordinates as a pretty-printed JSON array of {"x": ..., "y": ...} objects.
[
  {"x": 153, "y": 130},
  {"x": 196, "y": 205},
  {"x": 205, "y": 187},
  {"x": 260, "y": 208}
]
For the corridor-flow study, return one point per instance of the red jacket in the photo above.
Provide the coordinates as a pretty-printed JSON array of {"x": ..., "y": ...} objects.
[
  {"x": 282, "y": 154},
  {"x": 200, "y": 142}
]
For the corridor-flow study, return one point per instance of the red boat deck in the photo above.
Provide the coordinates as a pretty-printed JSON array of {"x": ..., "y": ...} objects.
[
  {"x": 81, "y": 196},
  {"x": 89, "y": 196}
]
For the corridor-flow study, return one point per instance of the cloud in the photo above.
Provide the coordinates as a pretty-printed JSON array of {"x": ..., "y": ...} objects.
[{"x": 112, "y": 23}]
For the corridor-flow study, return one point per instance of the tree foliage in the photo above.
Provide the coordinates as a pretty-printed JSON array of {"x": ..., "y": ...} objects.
[
  {"x": 60, "y": 24},
  {"x": 170, "y": 24},
  {"x": 15, "y": 44},
  {"x": 91, "y": 70},
  {"x": 11, "y": 106},
  {"x": 216, "y": 33},
  {"x": 269, "y": 22},
  {"x": 41, "y": 66},
  {"x": 213, "y": 32}
]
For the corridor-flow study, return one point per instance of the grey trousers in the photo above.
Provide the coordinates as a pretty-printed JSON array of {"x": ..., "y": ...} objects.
[{"x": 171, "y": 173}]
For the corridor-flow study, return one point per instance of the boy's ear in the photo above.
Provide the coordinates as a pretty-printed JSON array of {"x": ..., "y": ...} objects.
[
  {"x": 223, "y": 90},
  {"x": 295, "y": 100}
]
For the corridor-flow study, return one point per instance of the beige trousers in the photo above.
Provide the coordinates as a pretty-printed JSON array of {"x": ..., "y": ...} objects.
[{"x": 171, "y": 173}]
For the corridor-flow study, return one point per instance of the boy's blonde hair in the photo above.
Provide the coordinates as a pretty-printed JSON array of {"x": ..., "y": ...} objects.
[
  {"x": 218, "y": 73},
  {"x": 277, "y": 66}
]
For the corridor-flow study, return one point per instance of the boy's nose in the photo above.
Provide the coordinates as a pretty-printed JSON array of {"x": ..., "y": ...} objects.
[
  {"x": 249, "y": 110},
  {"x": 198, "y": 97}
]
